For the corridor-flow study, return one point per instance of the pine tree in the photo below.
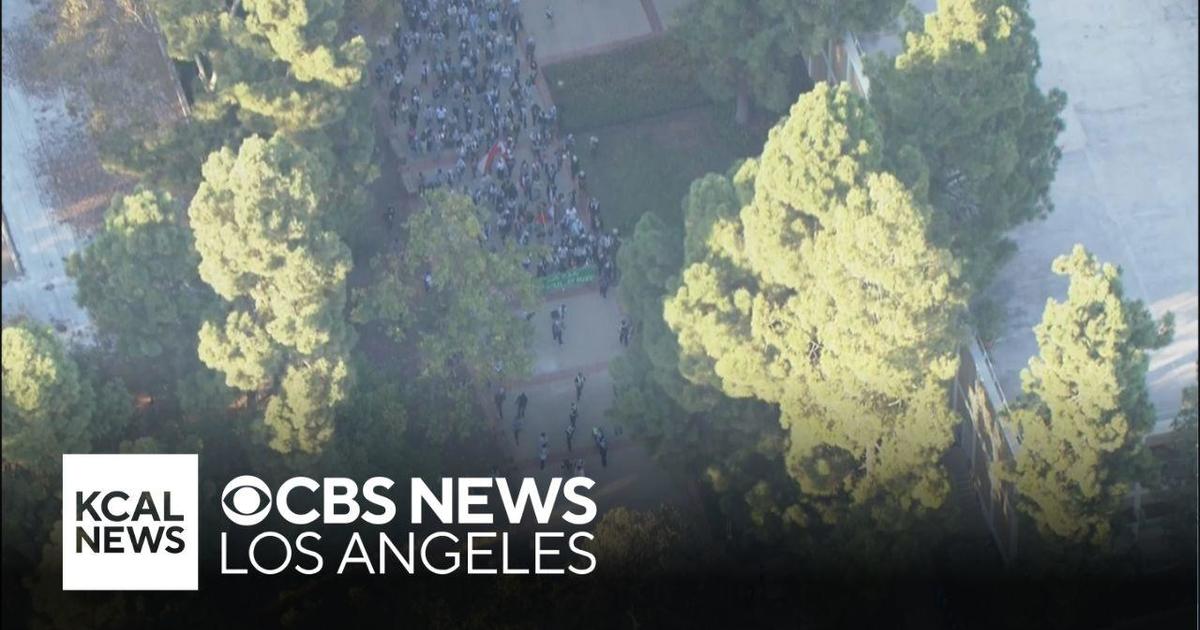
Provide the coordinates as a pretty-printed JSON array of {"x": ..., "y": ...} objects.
[
  {"x": 753, "y": 48},
  {"x": 824, "y": 296},
  {"x": 966, "y": 124},
  {"x": 261, "y": 220},
  {"x": 138, "y": 277},
  {"x": 1085, "y": 408}
]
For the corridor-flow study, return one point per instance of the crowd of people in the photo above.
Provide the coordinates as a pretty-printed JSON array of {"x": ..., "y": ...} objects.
[
  {"x": 570, "y": 465},
  {"x": 461, "y": 79}
]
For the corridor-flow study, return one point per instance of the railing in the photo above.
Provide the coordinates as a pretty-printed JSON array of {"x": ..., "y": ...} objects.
[{"x": 986, "y": 373}]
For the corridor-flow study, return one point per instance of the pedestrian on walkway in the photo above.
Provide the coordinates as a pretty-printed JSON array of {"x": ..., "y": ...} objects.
[
  {"x": 522, "y": 403},
  {"x": 516, "y": 427},
  {"x": 543, "y": 453},
  {"x": 594, "y": 144},
  {"x": 602, "y": 446},
  {"x": 556, "y": 332},
  {"x": 624, "y": 330},
  {"x": 543, "y": 440},
  {"x": 570, "y": 434},
  {"x": 579, "y": 467},
  {"x": 499, "y": 399},
  {"x": 574, "y": 413},
  {"x": 579, "y": 381}
]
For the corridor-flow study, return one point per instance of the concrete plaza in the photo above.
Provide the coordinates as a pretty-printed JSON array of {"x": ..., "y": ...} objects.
[{"x": 1126, "y": 186}]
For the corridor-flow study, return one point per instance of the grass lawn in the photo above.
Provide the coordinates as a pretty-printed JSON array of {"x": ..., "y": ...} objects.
[
  {"x": 648, "y": 165},
  {"x": 648, "y": 78}
]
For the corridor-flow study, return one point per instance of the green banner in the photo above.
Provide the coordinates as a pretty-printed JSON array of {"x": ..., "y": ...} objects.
[{"x": 568, "y": 279}]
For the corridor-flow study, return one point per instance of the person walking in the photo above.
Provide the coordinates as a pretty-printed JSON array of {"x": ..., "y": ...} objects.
[
  {"x": 580, "y": 379},
  {"x": 624, "y": 331},
  {"x": 543, "y": 453},
  {"x": 579, "y": 467},
  {"x": 556, "y": 332},
  {"x": 499, "y": 399},
  {"x": 602, "y": 445},
  {"x": 574, "y": 413},
  {"x": 516, "y": 427},
  {"x": 570, "y": 434},
  {"x": 522, "y": 403},
  {"x": 543, "y": 441}
]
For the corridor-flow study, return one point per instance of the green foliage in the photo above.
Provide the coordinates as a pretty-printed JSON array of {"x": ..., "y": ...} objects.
[
  {"x": 171, "y": 157},
  {"x": 300, "y": 414},
  {"x": 965, "y": 121},
  {"x": 645, "y": 79},
  {"x": 824, "y": 296},
  {"x": 51, "y": 405},
  {"x": 138, "y": 278},
  {"x": 1086, "y": 407},
  {"x": 388, "y": 299},
  {"x": 260, "y": 219},
  {"x": 755, "y": 47},
  {"x": 190, "y": 27},
  {"x": 731, "y": 445},
  {"x": 1181, "y": 476},
  {"x": 474, "y": 315},
  {"x": 47, "y": 403},
  {"x": 279, "y": 67},
  {"x": 643, "y": 543}
]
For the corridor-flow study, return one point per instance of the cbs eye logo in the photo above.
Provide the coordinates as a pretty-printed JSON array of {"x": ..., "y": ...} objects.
[{"x": 246, "y": 500}]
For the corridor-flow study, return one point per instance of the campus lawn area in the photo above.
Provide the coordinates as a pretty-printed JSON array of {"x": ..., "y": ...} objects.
[
  {"x": 648, "y": 165},
  {"x": 648, "y": 78}
]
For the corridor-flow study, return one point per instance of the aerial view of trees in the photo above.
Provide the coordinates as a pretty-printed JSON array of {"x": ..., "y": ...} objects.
[
  {"x": 792, "y": 324},
  {"x": 261, "y": 220},
  {"x": 967, "y": 127},
  {"x": 754, "y": 50},
  {"x": 1086, "y": 408}
]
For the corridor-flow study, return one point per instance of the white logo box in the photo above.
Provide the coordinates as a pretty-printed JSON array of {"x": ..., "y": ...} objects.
[{"x": 87, "y": 570}]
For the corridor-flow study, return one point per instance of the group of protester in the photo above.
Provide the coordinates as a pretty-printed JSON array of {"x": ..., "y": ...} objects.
[
  {"x": 461, "y": 79},
  {"x": 568, "y": 465}
]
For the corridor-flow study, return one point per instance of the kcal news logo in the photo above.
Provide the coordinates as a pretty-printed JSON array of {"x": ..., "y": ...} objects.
[{"x": 130, "y": 522}]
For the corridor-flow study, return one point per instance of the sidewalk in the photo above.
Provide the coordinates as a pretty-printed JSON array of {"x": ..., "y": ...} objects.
[{"x": 632, "y": 478}]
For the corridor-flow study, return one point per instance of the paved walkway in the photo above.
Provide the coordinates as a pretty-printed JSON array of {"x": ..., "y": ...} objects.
[
  {"x": 591, "y": 340},
  {"x": 1126, "y": 186},
  {"x": 585, "y": 27},
  {"x": 32, "y": 125}
]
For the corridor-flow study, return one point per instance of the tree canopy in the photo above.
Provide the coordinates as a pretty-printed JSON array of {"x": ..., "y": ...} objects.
[
  {"x": 824, "y": 296},
  {"x": 967, "y": 126},
  {"x": 260, "y": 219},
  {"x": 47, "y": 403},
  {"x": 138, "y": 277},
  {"x": 471, "y": 317},
  {"x": 1085, "y": 408},
  {"x": 754, "y": 47}
]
